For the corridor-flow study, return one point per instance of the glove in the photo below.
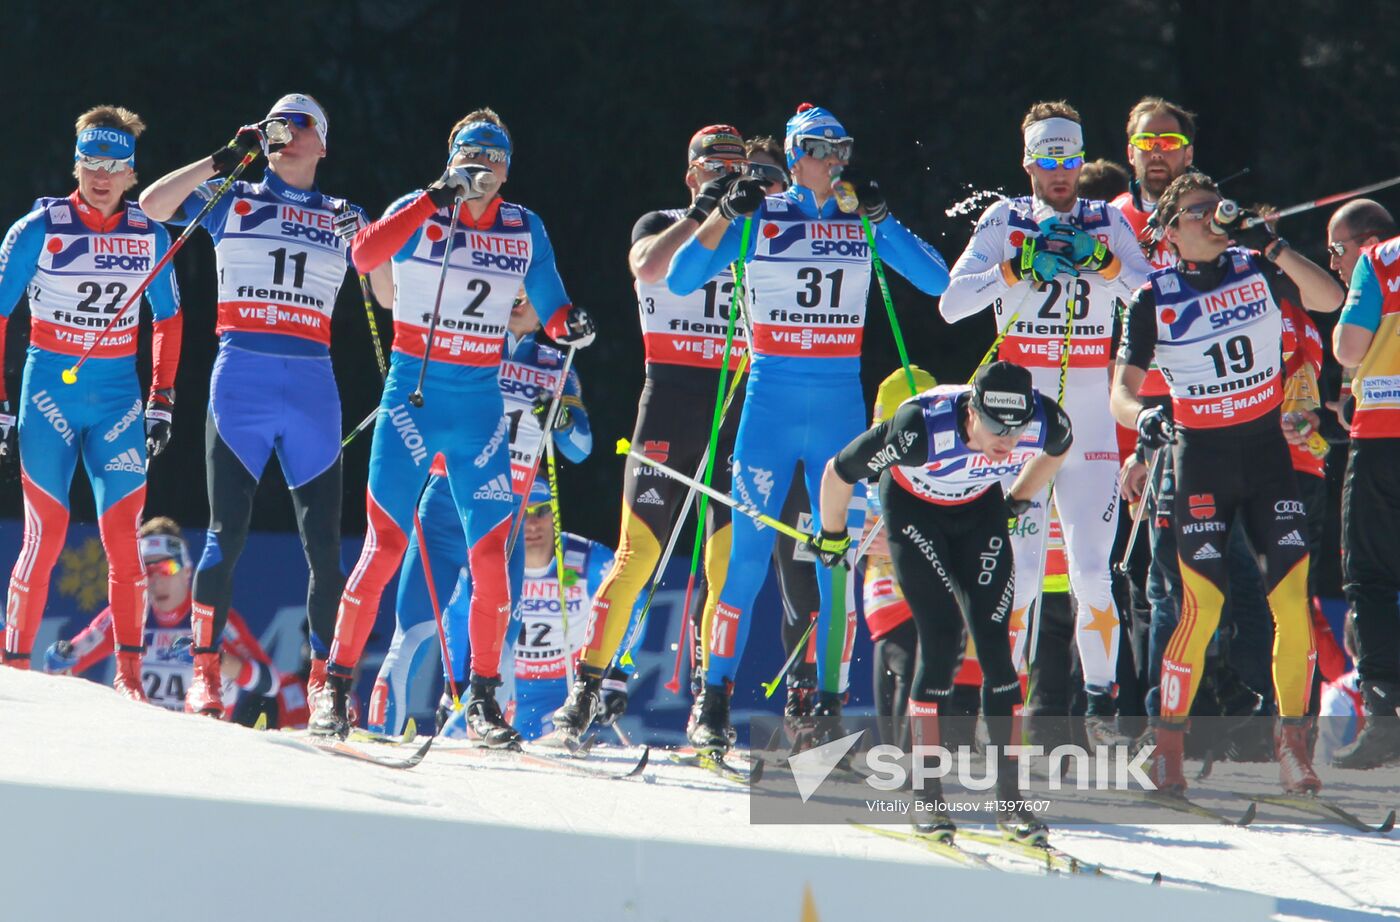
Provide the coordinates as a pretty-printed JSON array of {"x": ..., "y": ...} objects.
[
  {"x": 59, "y": 657},
  {"x": 1085, "y": 250},
  {"x": 9, "y": 432},
  {"x": 708, "y": 197},
  {"x": 158, "y": 414},
  {"x": 468, "y": 182},
  {"x": 249, "y": 138},
  {"x": 1154, "y": 429},
  {"x": 572, "y": 328},
  {"x": 346, "y": 224},
  {"x": 742, "y": 198},
  {"x": 1039, "y": 264},
  {"x": 867, "y": 190},
  {"x": 562, "y": 420},
  {"x": 830, "y": 547},
  {"x": 614, "y": 697},
  {"x": 1229, "y": 219}
]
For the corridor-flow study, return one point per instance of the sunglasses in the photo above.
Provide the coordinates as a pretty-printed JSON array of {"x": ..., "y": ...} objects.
[
  {"x": 821, "y": 148},
  {"x": 767, "y": 174},
  {"x": 103, "y": 164},
  {"x": 299, "y": 119},
  {"x": 167, "y": 567},
  {"x": 476, "y": 152},
  {"x": 1166, "y": 141},
  {"x": 1064, "y": 163},
  {"x": 719, "y": 165},
  {"x": 1339, "y": 249},
  {"x": 1198, "y": 212},
  {"x": 538, "y": 508}
]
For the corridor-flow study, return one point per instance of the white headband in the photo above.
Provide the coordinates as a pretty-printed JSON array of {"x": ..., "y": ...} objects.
[{"x": 1053, "y": 137}]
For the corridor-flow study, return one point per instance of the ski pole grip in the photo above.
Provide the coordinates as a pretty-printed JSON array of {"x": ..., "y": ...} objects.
[{"x": 623, "y": 446}]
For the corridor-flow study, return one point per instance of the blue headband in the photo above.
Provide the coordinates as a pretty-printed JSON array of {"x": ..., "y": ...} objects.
[
  {"x": 105, "y": 142},
  {"x": 539, "y": 492},
  {"x": 480, "y": 134},
  {"x": 810, "y": 120}
]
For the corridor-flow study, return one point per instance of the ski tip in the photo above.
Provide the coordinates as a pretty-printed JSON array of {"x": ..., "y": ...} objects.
[
  {"x": 261, "y": 724},
  {"x": 1388, "y": 825},
  {"x": 410, "y": 730},
  {"x": 1157, "y": 879},
  {"x": 1247, "y": 817},
  {"x": 623, "y": 446},
  {"x": 641, "y": 763},
  {"x": 421, "y": 751},
  {"x": 756, "y": 773}
]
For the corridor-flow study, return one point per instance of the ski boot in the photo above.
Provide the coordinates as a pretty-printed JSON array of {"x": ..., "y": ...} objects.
[
  {"x": 331, "y": 716},
  {"x": 801, "y": 698},
  {"x": 484, "y": 716},
  {"x": 1379, "y": 742},
  {"x": 581, "y": 708},
  {"x": 1101, "y": 720},
  {"x": 205, "y": 695},
  {"x": 315, "y": 681},
  {"x": 927, "y": 815},
  {"x": 1014, "y": 816},
  {"x": 1165, "y": 769},
  {"x": 710, "y": 730},
  {"x": 127, "y": 681},
  {"x": 14, "y": 660},
  {"x": 614, "y": 703},
  {"x": 1295, "y": 756}
]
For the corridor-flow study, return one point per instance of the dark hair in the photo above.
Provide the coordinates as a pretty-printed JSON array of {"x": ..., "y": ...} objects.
[
  {"x": 1170, "y": 203},
  {"x": 1103, "y": 179},
  {"x": 160, "y": 525},
  {"x": 1040, "y": 111},
  {"x": 1150, "y": 105},
  {"x": 765, "y": 144}
]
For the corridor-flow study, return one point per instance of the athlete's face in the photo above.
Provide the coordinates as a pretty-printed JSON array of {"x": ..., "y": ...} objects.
[
  {"x": 707, "y": 169},
  {"x": 1057, "y": 187},
  {"x": 523, "y": 318},
  {"x": 166, "y": 591},
  {"x": 815, "y": 172},
  {"x": 539, "y": 529},
  {"x": 758, "y": 156},
  {"x": 1344, "y": 248},
  {"x": 306, "y": 146},
  {"x": 103, "y": 190},
  {"x": 479, "y": 156},
  {"x": 980, "y": 438},
  {"x": 1155, "y": 169},
  {"x": 1190, "y": 231}
]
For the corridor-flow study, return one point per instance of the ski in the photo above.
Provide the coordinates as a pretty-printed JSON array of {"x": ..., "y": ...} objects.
[
  {"x": 1182, "y": 804},
  {"x": 1316, "y": 806},
  {"x": 1047, "y": 856},
  {"x": 341, "y": 748},
  {"x": 410, "y": 733},
  {"x": 536, "y": 757},
  {"x": 714, "y": 764},
  {"x": 937, "y": 846}
]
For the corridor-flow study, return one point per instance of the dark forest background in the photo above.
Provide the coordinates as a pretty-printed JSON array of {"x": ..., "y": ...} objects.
[{"x": 601, "y": 99}]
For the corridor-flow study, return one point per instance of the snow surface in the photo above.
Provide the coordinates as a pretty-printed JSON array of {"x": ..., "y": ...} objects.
[{"x": 64, "y": 733}]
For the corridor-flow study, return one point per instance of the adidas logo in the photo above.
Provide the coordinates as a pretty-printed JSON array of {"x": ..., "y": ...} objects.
[
  {"x": 498, "y": 489},
  {"x": 1293, "y": 538},
  {"x": 129, "y": 460},
  {"x": 1207, "y": 552},
  {"x": 651, "y": 498}
]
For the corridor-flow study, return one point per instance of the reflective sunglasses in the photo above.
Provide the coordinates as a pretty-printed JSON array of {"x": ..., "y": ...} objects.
[
  {"x": 299, "y": 119},
  {"x": 167, "y": 567},
  {"x": 1065, "y": 163},
  {"x": 768, "y": 174},
  {"x": 719, "y": 165},
  {"x": 997, "y": 427},
  {"x": 104, "y": 164},
  {"x": 1198, "y": 212},
  {"x": 1339, "y": 249},
  {"x": 476, "y": 152},
  {"x": 1166, "y": 141},
  {"x": 821, "y": 148},
  {"x": 538, "y": 508}
]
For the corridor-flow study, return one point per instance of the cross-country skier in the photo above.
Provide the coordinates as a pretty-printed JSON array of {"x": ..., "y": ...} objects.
[
  {"x": 1035, "y": 261},
  {"x": 463, "y": 286},
  {"x": 167, "y": 668},
  {"x": 76, "y": 258},
  {"x": 946, "y": 513},
  {"x": 808, "y": 278},
  {"x": 282, "y": 258},
  {"x": 1214, "y": 323},
  {"x": 528, "y": 377}
]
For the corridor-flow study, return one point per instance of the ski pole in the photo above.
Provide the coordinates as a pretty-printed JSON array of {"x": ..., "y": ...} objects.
[
  {"x": 1319, "y": 202},
  {"x": 624, "y": 447},
  {"x": 369, "y": 314},
  {"x": 876, "y": 527},
  {"x": 559, "y": 557},
  {"x": 889, "y": 303},
  {"x": 70, "y": 375},
  {"x": 799, "y": 650},
  {"x": 1121, "y": 567},
  {"x": 546, "y": 435},
  {"x": 735, "y": 298},
  {"x": 432, "y": 589},
  {"x": 364, "y": 424},
  {"x": 416, "y": 398}
]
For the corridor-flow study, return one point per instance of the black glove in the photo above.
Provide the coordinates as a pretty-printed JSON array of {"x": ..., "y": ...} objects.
[
  {"x": 346, "y": 224},
  {"x": 867, "y": 190},
  {"x": 158, "y": 415},
  {"x": 9, "y": 432},
  {"x": 249, "y": 138},
  {"x": 573, "y": 328},
  {"x": 708, "y": 197},
  {"x": 1154, "y": 429},
  {"x": 465, "y": 182},
  {"x": 742, "y": 198},
  {"x": 1016, "y": 508},
  {"x": 562, "y": 420},
  {"x": 614, "y": 697},
  {"x": 1230, "y": 218},
  {"x": 830, "y": 547}
]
